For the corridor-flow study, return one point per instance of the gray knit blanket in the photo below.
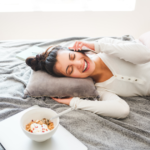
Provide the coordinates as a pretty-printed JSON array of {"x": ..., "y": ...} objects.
[{"x": 95, "y": 131}]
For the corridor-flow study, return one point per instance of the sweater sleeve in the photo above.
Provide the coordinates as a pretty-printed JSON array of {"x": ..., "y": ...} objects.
[
  {"x": 136, "y": 53},
  {"x": 110, "y": 105}
]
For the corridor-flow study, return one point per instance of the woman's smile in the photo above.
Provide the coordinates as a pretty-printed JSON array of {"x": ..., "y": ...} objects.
[{"x": 86, "y": 66}]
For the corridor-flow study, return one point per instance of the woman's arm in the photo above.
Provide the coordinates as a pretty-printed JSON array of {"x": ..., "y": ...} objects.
[
  {"x": 136, "y": 53},
  {"x": 110, "y": 105}
]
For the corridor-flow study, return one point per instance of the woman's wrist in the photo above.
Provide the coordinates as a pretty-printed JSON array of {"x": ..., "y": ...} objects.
[{"x": 90, "y": 46}]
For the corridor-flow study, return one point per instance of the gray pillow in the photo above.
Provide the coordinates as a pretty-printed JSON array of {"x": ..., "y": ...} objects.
[{"x": 42, "y": 84}]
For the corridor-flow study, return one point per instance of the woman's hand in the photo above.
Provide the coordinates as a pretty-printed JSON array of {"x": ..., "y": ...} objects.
[
  {"x": 63, "y": 100},
  {"x": 79, "y": 44}
]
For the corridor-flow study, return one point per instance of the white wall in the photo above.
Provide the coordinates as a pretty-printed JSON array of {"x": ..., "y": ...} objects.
[{"x": 49, "y": 25}]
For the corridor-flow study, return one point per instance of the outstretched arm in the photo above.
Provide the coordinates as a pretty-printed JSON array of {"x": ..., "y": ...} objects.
[{"x": 109, "y": 105}]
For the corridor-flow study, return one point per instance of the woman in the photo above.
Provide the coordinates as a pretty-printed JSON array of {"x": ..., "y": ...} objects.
[{"x": 120, "y": 68}]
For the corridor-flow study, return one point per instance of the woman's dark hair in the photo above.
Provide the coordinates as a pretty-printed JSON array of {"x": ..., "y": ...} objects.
[{"x": 47, "y": 60}]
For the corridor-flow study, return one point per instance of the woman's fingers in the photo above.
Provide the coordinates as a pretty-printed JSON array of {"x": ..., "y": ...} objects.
[
  {"x": 81, "y": 45},
  {"x": 77, "y": 46},
  {"x": 71, "y": 47},
  {"x": 63, "y": 101},
  {"x": 57, "y": 99}
]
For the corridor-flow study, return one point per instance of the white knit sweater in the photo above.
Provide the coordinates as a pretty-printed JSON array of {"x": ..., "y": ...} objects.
[{"x": 130, "y": 64}]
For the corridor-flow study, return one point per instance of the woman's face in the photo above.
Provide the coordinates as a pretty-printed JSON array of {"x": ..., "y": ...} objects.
[{"x": 74, "y": 64}]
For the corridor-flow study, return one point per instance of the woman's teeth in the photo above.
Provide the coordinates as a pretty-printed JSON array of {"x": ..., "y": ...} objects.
[{"x": 85, "y": 66}]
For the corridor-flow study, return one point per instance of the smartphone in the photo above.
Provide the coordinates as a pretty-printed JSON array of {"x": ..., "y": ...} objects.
[{"x": 2, "y": 147}]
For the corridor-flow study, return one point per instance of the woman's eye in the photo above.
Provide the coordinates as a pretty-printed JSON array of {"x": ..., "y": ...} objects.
[
  {"x": 72, "y": 57},
  {"x": 71, "y": 70}
]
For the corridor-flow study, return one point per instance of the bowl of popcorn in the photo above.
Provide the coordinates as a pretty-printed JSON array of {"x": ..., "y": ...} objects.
[{"x": 36, "y": 124}]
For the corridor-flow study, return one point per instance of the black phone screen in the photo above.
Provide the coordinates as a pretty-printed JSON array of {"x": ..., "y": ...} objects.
[{"x": 2, "y": 147}]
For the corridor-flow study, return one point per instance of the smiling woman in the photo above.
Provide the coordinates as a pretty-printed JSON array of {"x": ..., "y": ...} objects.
[
  {"x": 52, "y": 61},
  {"x": 116, "y": 70},
  {"x": 76, "y": 64}
]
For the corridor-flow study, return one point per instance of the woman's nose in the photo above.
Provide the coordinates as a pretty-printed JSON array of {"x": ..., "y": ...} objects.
[{"x": 78, "y": 64}]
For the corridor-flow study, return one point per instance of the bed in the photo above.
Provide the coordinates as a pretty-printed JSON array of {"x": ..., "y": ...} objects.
[{"x": 93, "y": 130}]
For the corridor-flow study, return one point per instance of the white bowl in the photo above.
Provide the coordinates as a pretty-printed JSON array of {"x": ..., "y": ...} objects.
[{"x": 39, "y": 114}]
